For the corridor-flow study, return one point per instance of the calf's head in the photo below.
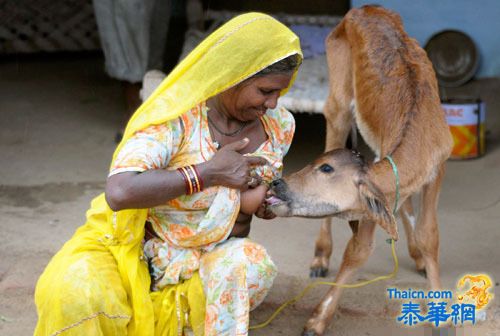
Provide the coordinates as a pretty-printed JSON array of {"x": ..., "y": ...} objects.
[{"x": 335, "y": 184}]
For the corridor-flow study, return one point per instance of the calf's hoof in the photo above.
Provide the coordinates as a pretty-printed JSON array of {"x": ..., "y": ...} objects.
[{"x": 318, "y": 272}]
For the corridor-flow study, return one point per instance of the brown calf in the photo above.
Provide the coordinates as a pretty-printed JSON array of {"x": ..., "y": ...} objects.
[{"x": 381, "y": 80}]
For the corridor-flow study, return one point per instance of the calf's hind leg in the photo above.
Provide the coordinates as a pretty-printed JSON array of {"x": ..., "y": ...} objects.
[
  {"x": 427, "y": 231},
  {"x": 322, "y": 250}
]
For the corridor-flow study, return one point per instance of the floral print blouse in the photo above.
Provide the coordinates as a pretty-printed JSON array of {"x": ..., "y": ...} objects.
[{"x": 190, "y": 225}]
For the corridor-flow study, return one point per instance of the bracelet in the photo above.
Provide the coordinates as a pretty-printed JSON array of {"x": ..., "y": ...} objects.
[
  {"x": 194, "y": 178},
  {"x": 187, "y": 181},
  {"x": 191, "y": 178},
  {"x": 198, "y": 177}
]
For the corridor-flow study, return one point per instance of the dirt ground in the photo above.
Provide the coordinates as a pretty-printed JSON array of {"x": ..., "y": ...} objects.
[{"x": 58, "y": 117}]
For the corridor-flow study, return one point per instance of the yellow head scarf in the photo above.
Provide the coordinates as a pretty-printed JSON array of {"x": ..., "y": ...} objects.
[
  {"x": 237, "y": 50},
  {"x": 240, "y": 48}
]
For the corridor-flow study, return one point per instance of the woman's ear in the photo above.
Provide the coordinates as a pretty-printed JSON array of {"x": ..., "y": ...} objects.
[{"x": 377, "y": 208}]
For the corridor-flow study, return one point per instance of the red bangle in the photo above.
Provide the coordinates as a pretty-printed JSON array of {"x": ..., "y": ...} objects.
[
  {"x": 200, "y": 181},
  {"x": 191, "y": 178},
  {"x": 187, "y": 180},
  {"x": 195, "y": 182}
]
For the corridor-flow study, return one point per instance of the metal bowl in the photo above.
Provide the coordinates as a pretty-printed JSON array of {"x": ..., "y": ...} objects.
[{"x": 454, "y": 56}]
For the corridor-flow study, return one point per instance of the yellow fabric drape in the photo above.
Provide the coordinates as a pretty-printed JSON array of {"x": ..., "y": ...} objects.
[
  {"x": 189, "y": 304},
  {"x": 104, "y": 257}
]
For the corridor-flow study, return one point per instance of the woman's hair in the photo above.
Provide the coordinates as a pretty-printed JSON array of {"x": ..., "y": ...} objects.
[{"x": 286, "y": 65}]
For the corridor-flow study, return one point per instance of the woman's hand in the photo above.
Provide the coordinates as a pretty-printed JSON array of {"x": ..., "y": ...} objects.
[
  {"x": 229, "y": 167},
  {"x": 263, "y": 212},
  {"x": 241, "y": 227}
]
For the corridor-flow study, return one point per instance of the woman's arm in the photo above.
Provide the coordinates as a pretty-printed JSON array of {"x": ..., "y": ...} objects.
[
  {"x": 132, "y": 190},
  {"x": 241, "y": 227}
]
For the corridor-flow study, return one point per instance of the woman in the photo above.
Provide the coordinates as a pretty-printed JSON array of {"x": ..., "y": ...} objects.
[{"x": 204, "y": 138}]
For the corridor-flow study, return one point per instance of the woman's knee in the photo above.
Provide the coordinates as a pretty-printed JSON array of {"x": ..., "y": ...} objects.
[
  {"x": 259, "y": 263},
  {"x": 243, "y": 252}
]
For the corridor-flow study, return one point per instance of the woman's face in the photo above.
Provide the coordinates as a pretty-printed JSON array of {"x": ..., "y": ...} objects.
[{"x": 251, "y": 99}]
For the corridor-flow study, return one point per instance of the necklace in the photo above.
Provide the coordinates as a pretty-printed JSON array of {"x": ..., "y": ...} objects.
[{"x": 229, "y": 134}]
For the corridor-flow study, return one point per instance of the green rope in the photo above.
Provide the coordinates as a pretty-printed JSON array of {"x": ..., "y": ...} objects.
[{"x": 396, "y": 174}]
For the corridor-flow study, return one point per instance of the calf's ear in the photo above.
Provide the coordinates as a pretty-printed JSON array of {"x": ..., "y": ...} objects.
[{"x": 377, "y": 208}]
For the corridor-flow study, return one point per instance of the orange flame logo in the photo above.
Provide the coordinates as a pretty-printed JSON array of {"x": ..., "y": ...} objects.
[{"x": 478, "y": 292}]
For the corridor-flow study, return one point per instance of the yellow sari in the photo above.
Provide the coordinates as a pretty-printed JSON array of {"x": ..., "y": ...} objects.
[{"x": 104, "y": 257}]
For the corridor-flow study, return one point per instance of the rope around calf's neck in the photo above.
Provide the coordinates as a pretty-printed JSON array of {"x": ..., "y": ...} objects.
[{"x": 356, "y": 285}]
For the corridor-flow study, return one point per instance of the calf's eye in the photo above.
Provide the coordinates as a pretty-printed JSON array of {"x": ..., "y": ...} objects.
[{"x": 326, "y": 168}]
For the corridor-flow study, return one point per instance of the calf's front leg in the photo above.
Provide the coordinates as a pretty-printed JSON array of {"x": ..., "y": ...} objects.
[{"x": 358, "y": 250}]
